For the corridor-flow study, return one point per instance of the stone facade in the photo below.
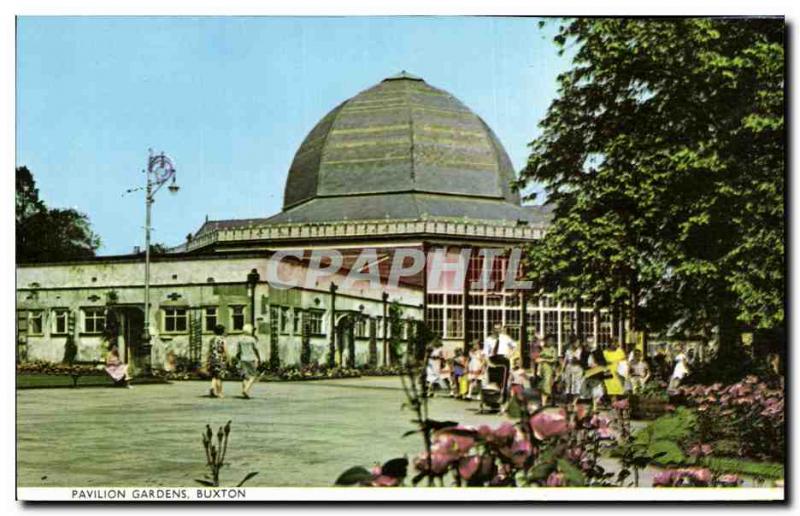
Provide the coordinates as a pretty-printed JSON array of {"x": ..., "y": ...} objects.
[{"x": 189, "y": 294}]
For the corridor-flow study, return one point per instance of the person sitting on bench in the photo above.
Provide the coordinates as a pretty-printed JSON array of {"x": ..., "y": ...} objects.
[{"x": 116, "y": 368}]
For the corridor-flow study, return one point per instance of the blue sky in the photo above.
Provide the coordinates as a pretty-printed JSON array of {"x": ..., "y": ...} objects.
[{"x": 230, "y": 99}]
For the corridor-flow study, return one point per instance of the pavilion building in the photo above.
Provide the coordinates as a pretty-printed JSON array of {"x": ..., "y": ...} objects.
[{"x": 400, "y": 165}]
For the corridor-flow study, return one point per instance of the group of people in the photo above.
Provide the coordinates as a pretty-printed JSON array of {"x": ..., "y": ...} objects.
[
  {"x": 584, "y": 371},
  {"x": 590, "y": 372},
  {"x": 247, "y": 360}
]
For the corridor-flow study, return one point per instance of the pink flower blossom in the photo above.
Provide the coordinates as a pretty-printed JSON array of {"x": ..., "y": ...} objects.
[
  {"x": 575, "y": 454},
  {"x": 485, "y": 432},
  {"x": 664, "y": 478},
  {"x": 555, "y": 480},
  {"x": 456, "y": 440},
  {"x": 682, "y": 477},
  {"x": 385, "y": 481},
  {"x": 468, "y": 466},
  {"x": 440, "y": 462},
  {"x": 700, "y": 450},
  {"x": 599, "y": 421},
  {"x": 700, "y": 475},
  {"x": 605, "y": 433},
  {"x": 729, "y": 480},
  {"x": 621, "y": 404},
  {"x": 521, "y": 450},
  {"x": 549, "y": 423},
  {"x": 504, "y": 433}
]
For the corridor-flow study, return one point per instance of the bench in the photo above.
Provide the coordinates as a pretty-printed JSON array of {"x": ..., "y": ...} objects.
[{"x": 76, "y": 375}]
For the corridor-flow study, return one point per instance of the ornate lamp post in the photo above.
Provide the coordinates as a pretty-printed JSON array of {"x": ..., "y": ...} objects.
[
  {"x": 160, "y": 170},
  {"x": 252, "y": 280}
]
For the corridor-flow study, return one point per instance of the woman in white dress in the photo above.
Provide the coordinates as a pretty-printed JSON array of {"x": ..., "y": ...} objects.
[{"x": 680, "y": 371}]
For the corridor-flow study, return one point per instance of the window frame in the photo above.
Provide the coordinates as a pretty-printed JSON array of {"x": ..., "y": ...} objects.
[
  {"x": 206, "y": 317},
  {"x": 284, "y": 321},
  {"x": 58, "y": 314},
  {"x": 297, "y": 321},
  {"x": 36, "y": 314},
  {"x": 85, "y": 311},
  {"x": 233, "y": 313},
  {"x": 175, "y": 318},
  {"x": 361, "y": 327},
  {"x": 314, "y": 317}
]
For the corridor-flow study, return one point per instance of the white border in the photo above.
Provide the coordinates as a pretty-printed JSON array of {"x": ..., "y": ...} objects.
[
  {"x": 427, "y": 494},
  {"x": 12, "y": 8}
]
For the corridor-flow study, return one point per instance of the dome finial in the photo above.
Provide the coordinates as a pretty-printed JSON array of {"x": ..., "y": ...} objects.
[{"x": 403, "y": 75}]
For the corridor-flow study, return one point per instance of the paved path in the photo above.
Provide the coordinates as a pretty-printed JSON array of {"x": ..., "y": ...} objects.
[{"x": 293, "y": 433}]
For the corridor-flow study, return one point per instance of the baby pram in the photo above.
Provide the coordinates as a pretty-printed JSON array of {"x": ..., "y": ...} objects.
[{"x": 494, "y": 391}]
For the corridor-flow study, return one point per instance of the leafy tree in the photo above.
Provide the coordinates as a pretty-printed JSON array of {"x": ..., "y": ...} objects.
[
  {"x": 156, "y": 249},
  {"x": 49, "y": 234},
  {"x": 663, "y": 158}
]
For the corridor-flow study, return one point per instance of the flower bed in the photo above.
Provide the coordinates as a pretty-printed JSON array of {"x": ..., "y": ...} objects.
[
  {"x": 746, "y": 418},
  {"x": 53, "y": 368},
  {"x": 283, "y": 374},
  {"x": 719, "y": 433},
  {"x": 546, "y": 447}
]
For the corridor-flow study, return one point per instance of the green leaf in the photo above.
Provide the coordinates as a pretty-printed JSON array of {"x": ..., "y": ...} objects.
[
  {"x": 396, "y": 468},
  {"x": 670, "y": 452},
  {"x": 572, "y": 474},
  {"x": 541, "y": 471},
  {"x": 246, "y": 478},
  {"x": 354, "y": 475}
]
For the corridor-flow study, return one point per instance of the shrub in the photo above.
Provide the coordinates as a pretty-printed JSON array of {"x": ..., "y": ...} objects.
[
  {"x": 70, "y": 350},
  {"x": 747, "y": 412}
]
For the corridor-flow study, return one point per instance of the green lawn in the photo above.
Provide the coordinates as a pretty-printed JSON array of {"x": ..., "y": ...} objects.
[
  {"x": 292, "y": 433},
  {"x": 41, "y": 381},
  {"x": 33, "y": 381}
]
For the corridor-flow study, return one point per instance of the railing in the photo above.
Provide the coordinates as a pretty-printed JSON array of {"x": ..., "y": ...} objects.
[{"x": 295, "y": 231}]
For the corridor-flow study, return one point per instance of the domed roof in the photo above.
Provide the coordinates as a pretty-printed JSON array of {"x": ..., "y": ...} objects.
[{"x": 399, "y": 137}]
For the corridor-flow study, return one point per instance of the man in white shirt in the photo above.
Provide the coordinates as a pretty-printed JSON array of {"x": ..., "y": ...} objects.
[{"x": 498, "y": 343}]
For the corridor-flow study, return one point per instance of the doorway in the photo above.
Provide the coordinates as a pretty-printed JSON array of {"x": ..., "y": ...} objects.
[{"x": 132, "y": 322}]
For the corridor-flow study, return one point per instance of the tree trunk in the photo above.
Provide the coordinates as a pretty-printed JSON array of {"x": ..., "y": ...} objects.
[{"x": 729, "y": 336}]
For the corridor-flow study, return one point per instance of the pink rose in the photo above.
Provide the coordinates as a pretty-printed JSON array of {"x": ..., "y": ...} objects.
[
  {"x": 700, "y": 475},
  {"x": 521, "y": 450},
  {"x": 729, "y": 480},
  {"x": 555, "y": 480},
  {"x": 456, "y": 440},
  {"x": 664, "y": 478},
  {"x": 385, "y": 481},
  {"x": 505, "y": 432},
  {"x": 549, "y": 423},
  {"x": 440, "y": 462},
  {"x": 468, "y": 466}
]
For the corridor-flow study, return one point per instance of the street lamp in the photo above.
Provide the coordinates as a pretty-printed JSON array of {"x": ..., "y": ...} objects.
[
  {"x": 160, "y": 170},
  {"x": 252, "y": 281}
]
